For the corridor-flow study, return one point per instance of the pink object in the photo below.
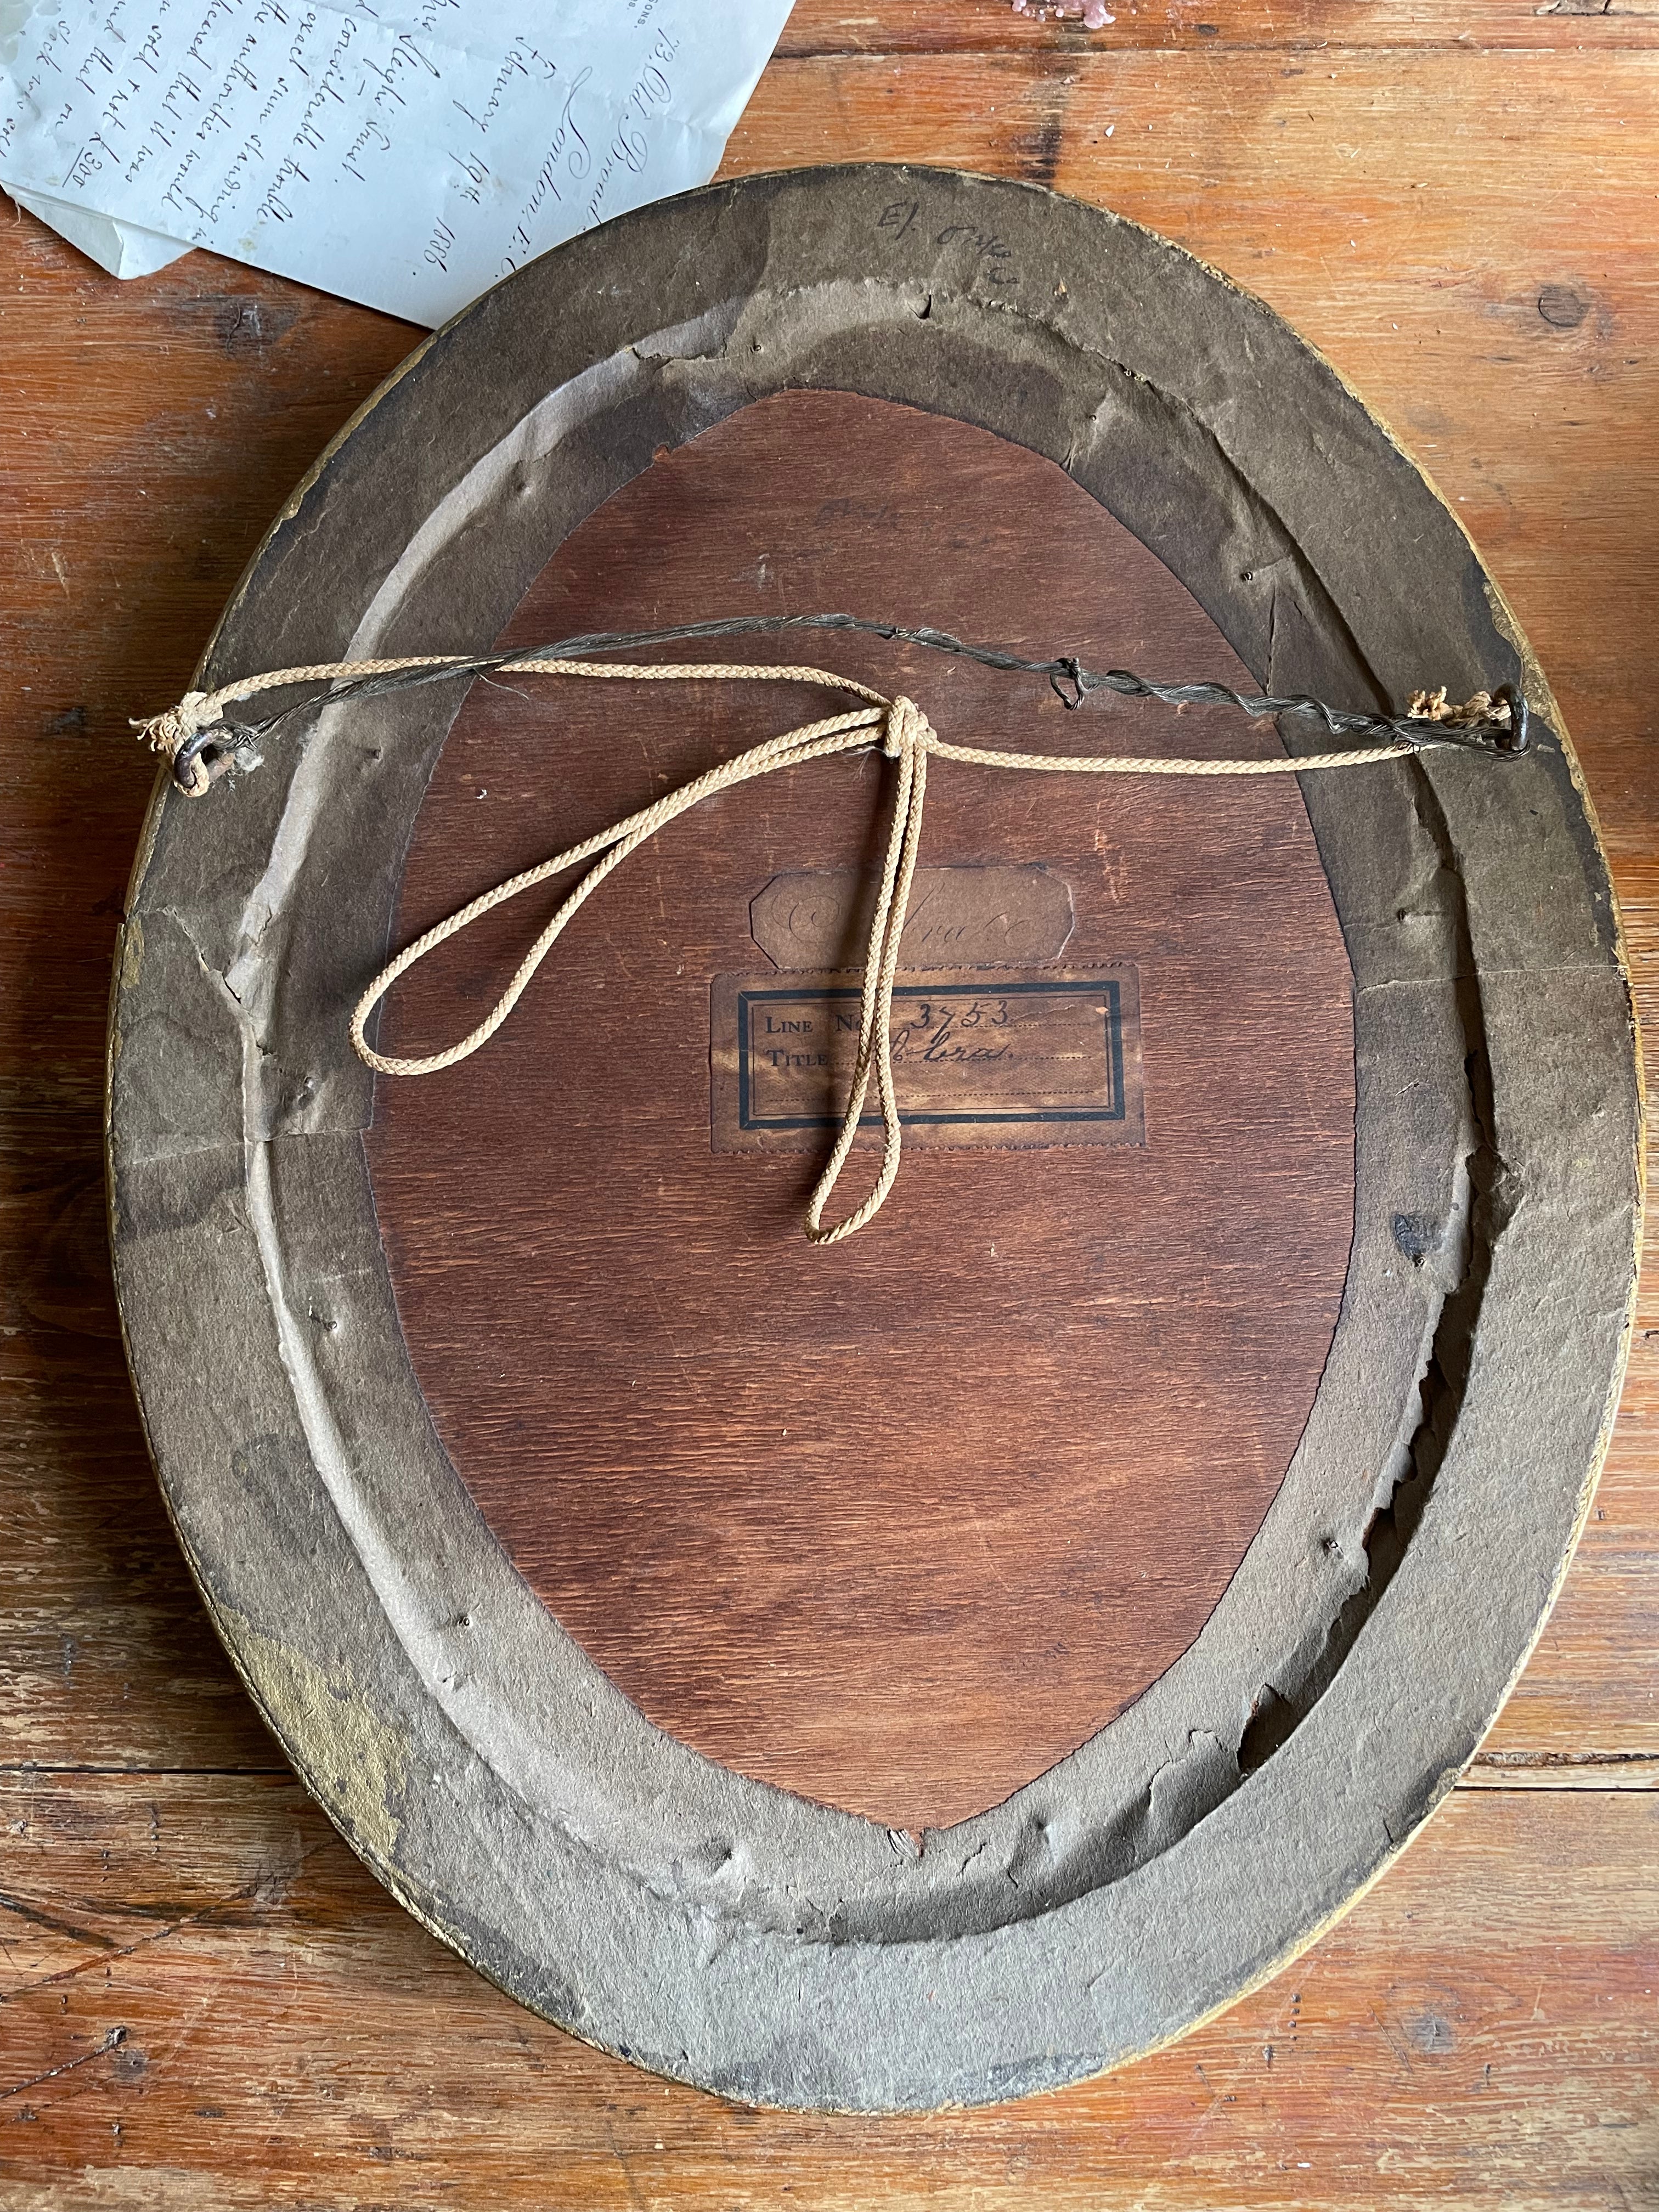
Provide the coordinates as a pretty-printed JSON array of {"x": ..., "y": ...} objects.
[{"x": 1095, "y": 14}]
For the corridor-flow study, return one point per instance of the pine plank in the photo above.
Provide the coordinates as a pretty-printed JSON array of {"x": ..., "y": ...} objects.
[
  {"x": 209, "y": 2003},
  {"x": 1432, "y": 198},
  {"x": 985, "y": 26}
]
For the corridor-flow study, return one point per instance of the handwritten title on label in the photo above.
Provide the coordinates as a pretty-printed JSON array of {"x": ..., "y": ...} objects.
[
  {"x": 407, "y": 155},
  {"x": 980, "y": 1057}
]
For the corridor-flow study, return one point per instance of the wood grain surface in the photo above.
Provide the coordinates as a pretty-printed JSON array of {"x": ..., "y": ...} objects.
[
  {"x": 237, "y": 2018},
  {"x": 895, "y": 1526},
  {"x": 206, "y": 2002}
]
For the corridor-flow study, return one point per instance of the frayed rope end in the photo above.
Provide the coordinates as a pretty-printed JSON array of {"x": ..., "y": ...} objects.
[
  {"x": 175, "y": 735},
  {"x": 1434, "y": 707}
]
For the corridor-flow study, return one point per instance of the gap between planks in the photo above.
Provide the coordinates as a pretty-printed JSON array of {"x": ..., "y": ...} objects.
[
  {"x": 1497, "y": 1770},
  {"x": 1563, "y": 1770}
]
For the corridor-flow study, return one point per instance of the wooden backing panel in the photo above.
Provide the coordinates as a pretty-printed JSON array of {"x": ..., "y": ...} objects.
[
  {"x": 898, "y": 1524},
  {"x": 209, "y": 2002}
]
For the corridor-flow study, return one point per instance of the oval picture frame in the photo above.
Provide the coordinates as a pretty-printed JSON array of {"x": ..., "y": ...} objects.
[{"x": 702, "y": 1923}]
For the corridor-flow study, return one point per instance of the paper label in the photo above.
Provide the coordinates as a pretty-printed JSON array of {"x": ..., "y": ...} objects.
[
  {"x": 983, "y": 1057},
  {"x": 959, "y": 917}
]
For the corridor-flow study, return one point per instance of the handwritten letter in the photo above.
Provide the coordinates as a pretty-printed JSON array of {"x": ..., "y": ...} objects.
[{"x": 404, "y": 155}]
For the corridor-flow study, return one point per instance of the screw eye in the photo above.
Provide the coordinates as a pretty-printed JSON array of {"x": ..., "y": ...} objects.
[{"x": 1520, "y": 730}]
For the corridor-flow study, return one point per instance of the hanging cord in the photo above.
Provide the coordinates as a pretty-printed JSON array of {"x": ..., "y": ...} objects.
[
  {"x": 902, "y": 731},
  {"x": 201, "y": 746}
]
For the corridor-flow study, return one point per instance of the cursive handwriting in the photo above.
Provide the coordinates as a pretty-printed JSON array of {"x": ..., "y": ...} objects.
[
  {"x": 412, "y": 154},
  {"x": 942, "y": 1037}
]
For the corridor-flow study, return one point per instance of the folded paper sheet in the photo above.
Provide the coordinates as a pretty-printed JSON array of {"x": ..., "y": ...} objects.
[{"x": 407, "y": 155}]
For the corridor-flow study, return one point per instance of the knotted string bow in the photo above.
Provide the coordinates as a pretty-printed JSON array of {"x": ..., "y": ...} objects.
[{"x": 897, "y": 727}]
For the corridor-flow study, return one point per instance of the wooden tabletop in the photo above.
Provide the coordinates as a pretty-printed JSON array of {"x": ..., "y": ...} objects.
[{"x": 204, "y": 2000}]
